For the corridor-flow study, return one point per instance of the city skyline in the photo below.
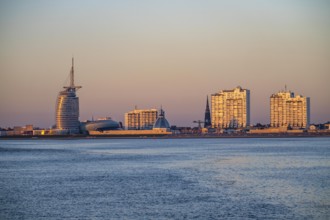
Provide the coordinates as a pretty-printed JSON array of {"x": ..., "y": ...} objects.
[{"x": 155, "y": 53}]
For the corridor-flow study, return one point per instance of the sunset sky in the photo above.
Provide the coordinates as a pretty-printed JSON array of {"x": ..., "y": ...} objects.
[{"x": 151, "y": 53}]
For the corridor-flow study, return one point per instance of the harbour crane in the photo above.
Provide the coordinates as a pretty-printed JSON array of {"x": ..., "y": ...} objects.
[{"x": 199, "y": 122}]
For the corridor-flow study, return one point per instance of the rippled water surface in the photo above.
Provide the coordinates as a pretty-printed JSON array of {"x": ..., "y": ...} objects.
[{"x": 165, "y": 179}]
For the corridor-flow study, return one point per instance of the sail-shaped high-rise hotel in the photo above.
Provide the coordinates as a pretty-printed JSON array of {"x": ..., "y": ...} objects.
[{"x": 67, "y": 107}]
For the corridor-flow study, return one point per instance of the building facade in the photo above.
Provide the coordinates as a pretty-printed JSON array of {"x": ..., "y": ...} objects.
[
  {"x": 230, "y": 108},
  {"x": 140, "y": 119},
  {"x": 288, "y": 110},
  {"x": 67, "y": 107}
]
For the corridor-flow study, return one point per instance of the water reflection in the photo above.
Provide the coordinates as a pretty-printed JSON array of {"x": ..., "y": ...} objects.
[{"x": 165, "y": 179}]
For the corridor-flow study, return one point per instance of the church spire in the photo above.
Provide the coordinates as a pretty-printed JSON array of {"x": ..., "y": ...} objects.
[
  {"x": 207, "y": 118},
  {"x": 207, "y": 104}
]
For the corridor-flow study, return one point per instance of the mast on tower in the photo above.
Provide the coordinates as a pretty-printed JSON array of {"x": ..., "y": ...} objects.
[
  {"x": 72, "y": 86},
  {"x": 72, "y": 74}
]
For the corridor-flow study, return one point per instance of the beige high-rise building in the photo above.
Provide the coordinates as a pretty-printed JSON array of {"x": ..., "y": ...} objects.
[
  {"x": 140, "y": 119},
  {"x": 230, "y": 108},
  {"x": 287, "y": 110}
]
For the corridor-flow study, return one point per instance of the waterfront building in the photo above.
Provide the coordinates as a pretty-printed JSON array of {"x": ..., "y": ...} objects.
[
  {"x": 51, "y": 132},
  {"x": 288, "y": 110},
  {"x": 18, "y": 130},
  {"x": 101, "y": 124},
  {"x": 160, "y": 127},
  {"x": 67, "y": 107},
  {"x": 230, "y": 108},
  {"x": 140, "y": 119},
  {"x": 161, "y": 123},
  {"x": 131, "y": 133},
  {"x": 207, "y": 115}
]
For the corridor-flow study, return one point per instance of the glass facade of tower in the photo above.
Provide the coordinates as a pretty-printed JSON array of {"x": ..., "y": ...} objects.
[{"x": 67, "y": 111}]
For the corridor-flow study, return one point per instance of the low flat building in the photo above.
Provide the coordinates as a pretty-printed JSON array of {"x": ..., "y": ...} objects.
[
  {"x": 101, "y": 124},
  {"x": 156, "y": 132},
  {"x": 268, "y": 130},
  {"x": 19, "y": 130},
  {"x": 51, "y": 132}
]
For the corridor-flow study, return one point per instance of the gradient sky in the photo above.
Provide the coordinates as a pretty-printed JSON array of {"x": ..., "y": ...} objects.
[{"x": 151, "y": 53}]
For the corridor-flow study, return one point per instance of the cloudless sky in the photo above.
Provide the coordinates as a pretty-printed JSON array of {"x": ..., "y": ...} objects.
[{"x": 151, "y": 53}]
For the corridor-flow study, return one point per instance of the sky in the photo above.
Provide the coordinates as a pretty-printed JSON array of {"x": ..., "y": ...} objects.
[{"x": 152, "y": 53}]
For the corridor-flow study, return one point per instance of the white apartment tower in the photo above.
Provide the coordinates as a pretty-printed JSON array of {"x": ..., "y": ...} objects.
[
  {"x": 140, "y": 119},
  {"x": 230, "y": 108},
  {"x": 287, "y": 110}
]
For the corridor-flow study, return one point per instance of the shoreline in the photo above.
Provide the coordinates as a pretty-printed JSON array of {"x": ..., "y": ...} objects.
[{"x": 176, "y": 136}]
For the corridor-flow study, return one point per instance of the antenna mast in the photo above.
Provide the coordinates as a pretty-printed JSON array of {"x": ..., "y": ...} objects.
[
  {"x": 72, "y": 86},
  {"x": 72, "y": 74}
]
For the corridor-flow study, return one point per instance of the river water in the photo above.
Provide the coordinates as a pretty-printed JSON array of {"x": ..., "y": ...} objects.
[{"x": 165, "y": 178}]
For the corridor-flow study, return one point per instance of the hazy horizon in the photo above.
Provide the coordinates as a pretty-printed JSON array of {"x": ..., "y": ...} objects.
[{"x": 152, "y": 53}]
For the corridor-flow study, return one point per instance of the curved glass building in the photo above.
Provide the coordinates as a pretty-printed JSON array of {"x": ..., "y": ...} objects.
[
  {"x": 102, "y": 124},
  {"x": 67, "y": 107}
]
